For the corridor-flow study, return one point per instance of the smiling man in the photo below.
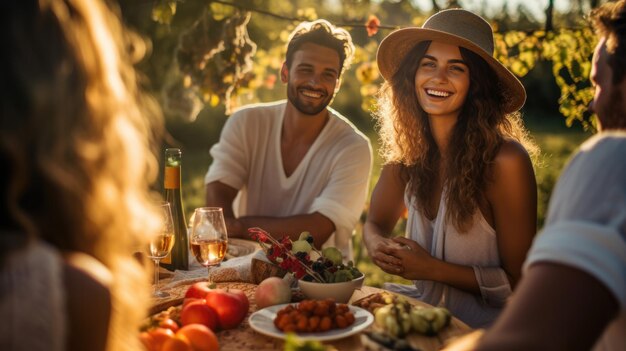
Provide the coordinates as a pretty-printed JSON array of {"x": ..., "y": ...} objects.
[{"x": 296, "y": 165}]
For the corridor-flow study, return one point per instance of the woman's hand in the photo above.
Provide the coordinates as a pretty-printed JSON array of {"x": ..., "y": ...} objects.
[
  {"x": 382, "y": 253},
  {"x": 386, "y": 207},
  {"x": 416, "y": 262}
]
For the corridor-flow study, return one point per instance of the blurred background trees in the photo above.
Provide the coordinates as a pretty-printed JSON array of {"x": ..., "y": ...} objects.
[{"x": 207, "y": 57}]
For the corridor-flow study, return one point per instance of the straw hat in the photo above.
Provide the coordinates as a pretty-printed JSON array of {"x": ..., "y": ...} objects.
[{"x": 456, "y": 27}]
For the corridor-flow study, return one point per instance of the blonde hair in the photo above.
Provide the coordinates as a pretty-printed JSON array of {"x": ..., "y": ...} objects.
[{"x": 78, "y": 136}]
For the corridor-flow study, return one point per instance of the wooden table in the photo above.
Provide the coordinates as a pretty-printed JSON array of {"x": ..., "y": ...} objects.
[{"x": 243, "y": 338}]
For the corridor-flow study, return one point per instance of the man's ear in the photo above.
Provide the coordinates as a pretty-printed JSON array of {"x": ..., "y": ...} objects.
[{"x": 284, "y": 73}]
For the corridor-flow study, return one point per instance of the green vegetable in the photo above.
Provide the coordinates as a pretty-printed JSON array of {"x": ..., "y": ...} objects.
[
  {"x": 301, "y": 246},
  {"x": 305, "y": 236},
  {"x": 332, "y": 254}
]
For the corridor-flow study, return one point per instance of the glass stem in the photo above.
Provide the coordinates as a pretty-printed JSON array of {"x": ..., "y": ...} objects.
[{"x": 156, "y": 276}]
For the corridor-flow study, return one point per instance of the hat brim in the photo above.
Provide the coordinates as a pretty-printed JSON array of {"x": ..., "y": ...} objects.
[{"x": 394, "y": 48}]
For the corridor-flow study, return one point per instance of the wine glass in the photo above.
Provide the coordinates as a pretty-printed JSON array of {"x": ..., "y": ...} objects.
[
  {"x": 161, "y": 245},
  {"x": 209, "y": 238}
]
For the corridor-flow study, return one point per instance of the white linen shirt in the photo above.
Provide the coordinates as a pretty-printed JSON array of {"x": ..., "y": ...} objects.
[
  {"x": 586, "y": 224},
  {"x": 331, "y": 179}
]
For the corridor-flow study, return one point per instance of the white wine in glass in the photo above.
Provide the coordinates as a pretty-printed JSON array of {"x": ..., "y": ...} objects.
[
  {"x": 161, "y": 245},
  {"x": 209, "y": 239}
]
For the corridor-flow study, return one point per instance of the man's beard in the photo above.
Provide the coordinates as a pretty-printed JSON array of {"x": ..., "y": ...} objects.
[
  {"x": 303, "y": 107},
  {"x": 614, "y": 113}
]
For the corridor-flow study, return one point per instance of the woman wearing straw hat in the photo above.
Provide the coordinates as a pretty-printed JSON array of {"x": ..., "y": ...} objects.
[{"x": 456, "y": 158}]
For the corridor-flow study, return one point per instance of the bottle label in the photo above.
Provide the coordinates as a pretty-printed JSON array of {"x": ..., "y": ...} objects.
[{"x": 172, "y": 178}]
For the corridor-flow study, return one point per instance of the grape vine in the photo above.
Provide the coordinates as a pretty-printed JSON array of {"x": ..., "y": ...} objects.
[
  {"x": 569, "y": 51},
  {"x": 217, "y": 62}
]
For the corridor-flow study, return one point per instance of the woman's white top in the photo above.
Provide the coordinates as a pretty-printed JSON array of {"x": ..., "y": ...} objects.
[{"x": 477, "y": 247}]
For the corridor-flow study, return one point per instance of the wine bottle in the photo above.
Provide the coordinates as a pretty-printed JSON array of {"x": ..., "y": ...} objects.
[{"x": 179, "y": 257}]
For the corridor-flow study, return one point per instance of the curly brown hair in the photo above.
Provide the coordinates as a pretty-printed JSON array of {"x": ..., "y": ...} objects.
[
  {"x": 480, "y": 131},
  {"x": 77, "y": 145}
]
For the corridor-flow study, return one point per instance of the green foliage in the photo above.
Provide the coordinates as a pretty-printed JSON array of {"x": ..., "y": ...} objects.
[
  {"x": 216, "y": 61},
  {"x": 569, "y": 51},
  {"x": 556, "y": 149},
  {"x": 214, "y": 58},
  {"x": 163, "y": 12}
]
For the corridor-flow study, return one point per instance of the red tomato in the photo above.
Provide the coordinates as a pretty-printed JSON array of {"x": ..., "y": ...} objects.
[
  {"x": 169, "y": 323},
  {"x": 200, "y": 313},
  {"x": 199, "y": 290},
  {"x": 177, "y": 343},
  {"x": 231, "y": 306},
  {"x": 245, "y": 303},
  {"x": 159, "y": 337},
  {"x": 147, "y": 340},
  {"x": 189, "y": 300},
  {"x": 200, "y": 337}
]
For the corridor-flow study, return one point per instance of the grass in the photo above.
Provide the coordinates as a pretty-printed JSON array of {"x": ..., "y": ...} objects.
[{"x": 557, "y": 143}]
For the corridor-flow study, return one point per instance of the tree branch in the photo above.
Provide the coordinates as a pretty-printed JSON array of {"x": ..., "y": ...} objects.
[{"x": 294, "y": 19}]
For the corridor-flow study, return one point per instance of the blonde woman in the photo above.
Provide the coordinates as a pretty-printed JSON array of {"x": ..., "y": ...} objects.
[
  {"x": 75, "y": 149},
  {"x": 455, "y": 158}
]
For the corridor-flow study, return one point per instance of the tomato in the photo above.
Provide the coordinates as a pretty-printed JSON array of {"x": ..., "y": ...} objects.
[
  {"x": 200, "y": 313},
  {"x": 231, "y": 306},
  {"x": 200, "y": 337},
  {"x": 170, "y": 324},
  {"x": 159, "y": 336},
  {"x": 177, "y": 343},
  {"x": 147, "y": 340}
]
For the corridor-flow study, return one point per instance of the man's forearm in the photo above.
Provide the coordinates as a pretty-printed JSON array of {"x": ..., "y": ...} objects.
[
  {"x": 221, "y": 195},
  {"x": 317, "y": 224}
]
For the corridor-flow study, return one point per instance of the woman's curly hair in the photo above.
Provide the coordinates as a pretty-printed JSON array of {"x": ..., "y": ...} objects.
[
  {"x": 77, "y": 144},
  {"x": 481, "y": 129}
]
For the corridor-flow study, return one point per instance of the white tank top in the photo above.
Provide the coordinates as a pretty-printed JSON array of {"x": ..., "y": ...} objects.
[{"x": 477, "y": 247}]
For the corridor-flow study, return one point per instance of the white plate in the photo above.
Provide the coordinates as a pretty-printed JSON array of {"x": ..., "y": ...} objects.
[{"x": 262, "y": 321}]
